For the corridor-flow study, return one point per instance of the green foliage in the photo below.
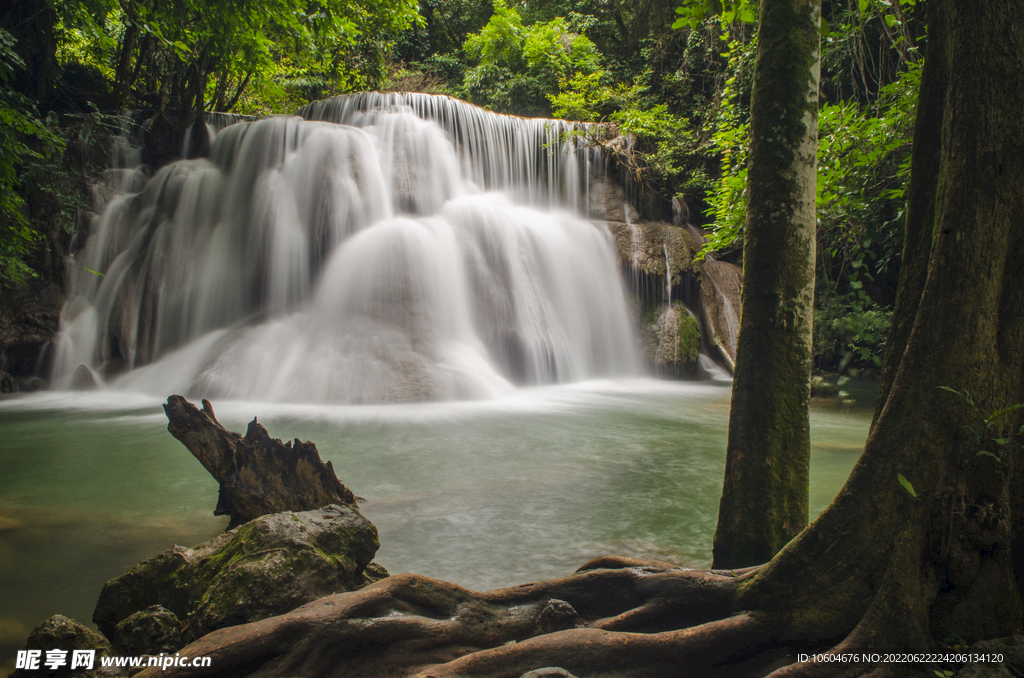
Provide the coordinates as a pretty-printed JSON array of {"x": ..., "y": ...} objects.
[
  {"x": 255, "y": 57},
  {"x": 868, "y": 44},
  {"x": 864, "y": 147},
  {"x": 516, "y": 66},
  {"x": 23, "y": 138},
  {"x": 849, "y": 332},
  {"x": 444, "y": 27},
  {"x": 729, "y": 138},
  {"x": 582, "y": 97},
  {"x": 863, "y": 168},
  {"x": 692, "y": 12},
  {"x": 664, "y": 146},
  {"x": 667, "y": 137}
]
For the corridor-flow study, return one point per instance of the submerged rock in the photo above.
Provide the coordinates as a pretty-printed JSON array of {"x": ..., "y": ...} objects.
[
  {"x": 61, "y": 633},
  {"x": 258, "y": 475},
  {"x": 264, "y": 568},
  {"x": 83, "y": 379}
]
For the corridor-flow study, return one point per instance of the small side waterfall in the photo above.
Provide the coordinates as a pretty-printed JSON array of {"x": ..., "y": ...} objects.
[{"x": 386, "y": 248}]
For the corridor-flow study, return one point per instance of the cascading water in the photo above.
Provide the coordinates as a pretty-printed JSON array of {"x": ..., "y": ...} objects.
[{"x": 387, "y": 248}]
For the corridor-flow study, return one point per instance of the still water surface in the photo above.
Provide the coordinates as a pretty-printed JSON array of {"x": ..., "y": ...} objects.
[{"x": 483, "y": 494}]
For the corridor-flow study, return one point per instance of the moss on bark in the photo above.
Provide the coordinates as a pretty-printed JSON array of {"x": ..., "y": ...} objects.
[{"x": 764, "y": 499}]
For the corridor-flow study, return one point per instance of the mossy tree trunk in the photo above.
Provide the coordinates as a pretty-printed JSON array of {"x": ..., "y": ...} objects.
[
  {"x": 765, "y": 496},
  {"x": 880, "y": 570}
]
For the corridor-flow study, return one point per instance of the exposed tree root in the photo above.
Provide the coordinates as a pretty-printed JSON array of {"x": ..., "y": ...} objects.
[{"x": 615, "y": 617}]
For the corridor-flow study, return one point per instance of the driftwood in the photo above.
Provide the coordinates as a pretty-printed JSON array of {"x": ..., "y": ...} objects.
[{"x": 258, "y": 475}]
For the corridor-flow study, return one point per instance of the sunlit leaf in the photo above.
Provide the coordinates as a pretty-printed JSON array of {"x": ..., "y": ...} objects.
[{"x": 906, "y": 485}]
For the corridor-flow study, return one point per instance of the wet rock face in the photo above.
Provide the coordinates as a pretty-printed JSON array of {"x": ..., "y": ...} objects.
[
  {"x": 720, "y": 287},
  {"x": 83, "y": 379},
  {"x": 258, "y": 475},
  {"x": 264, "y": 568},
  {"x": 28, "y": 320},
  {"x": 671, "y": 341},
  {"x": 606, "y": 201},
  {"x": 61, "y": 633},
  {"x": 653, "y": 247}
]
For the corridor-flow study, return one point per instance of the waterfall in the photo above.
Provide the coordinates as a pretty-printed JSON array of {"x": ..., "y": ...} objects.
[{"x": 376, "y": 248}]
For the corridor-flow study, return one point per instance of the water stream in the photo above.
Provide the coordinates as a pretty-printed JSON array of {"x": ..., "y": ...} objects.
[{"x": 485, "y": 494}]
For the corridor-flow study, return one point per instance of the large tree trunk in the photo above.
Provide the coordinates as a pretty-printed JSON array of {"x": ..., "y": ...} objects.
[
  {"x": 769, "y": 448},
  {"x": 880, "y": 570}
]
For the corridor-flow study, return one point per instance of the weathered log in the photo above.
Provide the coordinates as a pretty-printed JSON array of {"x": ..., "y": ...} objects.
[{"x": 258, "y": 475}]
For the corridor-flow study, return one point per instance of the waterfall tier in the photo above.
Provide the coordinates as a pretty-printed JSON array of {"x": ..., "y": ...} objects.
[{"x": 385, "y": 248}]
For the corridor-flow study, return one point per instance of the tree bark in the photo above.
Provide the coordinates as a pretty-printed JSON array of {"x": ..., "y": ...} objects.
[
  {"x": 258, "y": 475},
  {"x": 931, "y": 103},
  {"x": 768, "y": 453}
]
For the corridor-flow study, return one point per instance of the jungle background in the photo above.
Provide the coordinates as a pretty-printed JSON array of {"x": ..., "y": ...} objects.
[{"x": 677, "y": 79}]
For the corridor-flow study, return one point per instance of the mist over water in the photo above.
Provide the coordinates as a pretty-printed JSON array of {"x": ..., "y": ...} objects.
[{"x": 409, "y": 248}]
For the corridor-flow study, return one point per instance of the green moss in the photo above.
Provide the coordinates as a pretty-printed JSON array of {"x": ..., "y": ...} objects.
[
  {"x": 689, "y": 336},
  {"x": 650, "y": 315}
]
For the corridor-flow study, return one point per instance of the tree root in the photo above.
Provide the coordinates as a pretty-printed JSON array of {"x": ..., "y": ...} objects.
[
  {"x": 618, "y": 617},
  {"x": 614, "y": 617}
]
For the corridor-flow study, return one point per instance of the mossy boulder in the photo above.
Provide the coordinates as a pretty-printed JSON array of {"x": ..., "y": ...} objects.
[
  {"x": 264, "y": 568},
  {"x": 671, "y": 340},
  {"x": 65, "y": 634},
  {"x": 151, "y": 631}
]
